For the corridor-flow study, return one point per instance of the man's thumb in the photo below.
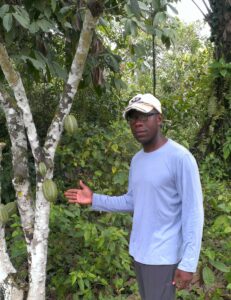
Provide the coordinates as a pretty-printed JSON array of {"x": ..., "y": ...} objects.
[{"x": 82, "y": 185}]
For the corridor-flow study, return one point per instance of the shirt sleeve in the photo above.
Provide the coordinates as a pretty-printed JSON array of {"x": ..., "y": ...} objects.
[
  {"x": 123, "y": 203},
  {"x": 189, "y": 187}
]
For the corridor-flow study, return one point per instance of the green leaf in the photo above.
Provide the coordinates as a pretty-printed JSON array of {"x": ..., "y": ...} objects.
[
  {"x": 139, "y": 50},
  {"x": 36, "y": 63},
  {"x": 98, "y": 173},
  {"x": 143, "y": 6},
  {"x": 221, "y": 221},
  {"x": 65, "y": 10},
  {"x": 135, "y": 8},
  {"x": 119, "y": 84},
  {"x": 81, "y": 284},
  {"x": 53, "y": 5},
  {"x": 115, "y": 147},
  {"x": 156, "y": 5},
  {"x": 133, "y": 28},
  {"x": 208, "y": 276},
  {"x": 24, "y": 22},
  {"x": 40, "y": 57},
  {"x": 45, "y": 25},
  {"x": 33, "y": 27},
  {"x": 227, "y": 229},
  {"x": 67, "y": 25},
  {"x": 220, "y": 266},
  {"x": 47, "y": 12},
  {"x": 73, "y": 277},
  {"x": 224, "y": 73},
  {"x": 60, "y": 72},
  {"x": 160, "y": 17},
  {"x": 4, "y": 9},
  {"x": 69, "y": 213},
  {"x": 7, "y": 21},
  {"x": 111, "y": 62}
]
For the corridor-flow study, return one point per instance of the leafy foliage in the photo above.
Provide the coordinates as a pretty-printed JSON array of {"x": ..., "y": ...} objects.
[{"x": 88, "y": 251}]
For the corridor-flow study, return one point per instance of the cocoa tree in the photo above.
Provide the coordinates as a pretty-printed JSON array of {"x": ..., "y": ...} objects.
[{"x": 34, "y": 213}]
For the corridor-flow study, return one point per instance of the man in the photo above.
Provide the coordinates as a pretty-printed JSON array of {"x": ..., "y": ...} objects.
[{"x": 165, "y": 197}]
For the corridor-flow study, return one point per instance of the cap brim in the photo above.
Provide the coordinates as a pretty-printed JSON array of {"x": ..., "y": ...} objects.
[{"x": 139, "y": 107}]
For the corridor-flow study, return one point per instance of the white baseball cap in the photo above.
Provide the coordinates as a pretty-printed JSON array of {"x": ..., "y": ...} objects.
[{"x": 144, "y": 103}]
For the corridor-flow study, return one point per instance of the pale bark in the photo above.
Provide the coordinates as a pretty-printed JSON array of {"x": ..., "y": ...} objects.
[
  {"x": 7, "y": 284},
  {"x": 72, "y": 84},
  {"x": 11, "y": 291},
  {"x": 41, "y": 228},
  {"x": 21, "y": 180},
  {"x": 16, "y": 84},
  {"x": 6, "y": 267}
]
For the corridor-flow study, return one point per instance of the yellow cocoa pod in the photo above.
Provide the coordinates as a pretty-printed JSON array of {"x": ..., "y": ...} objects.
[
  {"x": 42, "y": 168},
  {"x": 70, "y": 124},
  {"x": 50, "y": 190},
  {"x": 4, "y": 216}
]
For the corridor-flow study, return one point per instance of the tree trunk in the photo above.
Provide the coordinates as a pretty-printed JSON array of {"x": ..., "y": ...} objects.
[
  {"x": 7, "y": 283},
  {"x": 216, "y": 127}
]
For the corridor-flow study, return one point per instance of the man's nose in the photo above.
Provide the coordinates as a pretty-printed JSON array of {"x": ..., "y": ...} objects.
[{"x": 138, "y": 122}]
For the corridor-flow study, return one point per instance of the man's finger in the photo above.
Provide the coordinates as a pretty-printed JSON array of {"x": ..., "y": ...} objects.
[
  {"x": 72, "y": 191},
  {"x": 82, "y": 185}
]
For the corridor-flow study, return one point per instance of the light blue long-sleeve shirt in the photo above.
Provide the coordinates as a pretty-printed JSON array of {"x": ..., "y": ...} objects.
[{"x": 165, "y": 197}]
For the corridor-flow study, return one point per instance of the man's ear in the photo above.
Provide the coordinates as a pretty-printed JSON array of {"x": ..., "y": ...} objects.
[{"x": 160, "y": 119}]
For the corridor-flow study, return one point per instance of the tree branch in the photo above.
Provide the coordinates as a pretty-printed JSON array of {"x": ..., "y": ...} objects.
[
  {"x": 19, "y": 151},
  {"x": 74, "y": 78},
  {"x": 15, "y": 82},
  {"x": 204, "y": 15},
  {"x": 208, "y": 9}
]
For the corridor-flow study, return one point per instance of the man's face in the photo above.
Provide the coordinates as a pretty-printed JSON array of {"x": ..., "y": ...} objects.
[{"x": 145, "y": 127}]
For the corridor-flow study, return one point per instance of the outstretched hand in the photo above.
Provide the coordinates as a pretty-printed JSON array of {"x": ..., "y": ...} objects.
[
  {"x": 182, "y": 279},
  {"x": 81, "y": 196}
]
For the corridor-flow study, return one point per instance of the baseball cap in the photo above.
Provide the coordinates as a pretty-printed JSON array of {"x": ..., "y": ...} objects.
[{"x": 144, "y": 103}]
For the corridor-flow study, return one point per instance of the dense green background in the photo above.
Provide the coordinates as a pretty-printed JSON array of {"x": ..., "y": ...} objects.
[{"x": 88, "y": 251}]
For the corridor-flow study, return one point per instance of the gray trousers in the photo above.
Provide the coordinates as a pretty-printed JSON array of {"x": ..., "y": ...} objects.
[{"x": 155, "y": 281}]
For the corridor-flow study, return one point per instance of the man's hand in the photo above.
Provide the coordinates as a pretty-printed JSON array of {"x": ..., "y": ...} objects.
[
  {"x": 182, "y": 279},
  {"x": 81, "y": 196}
]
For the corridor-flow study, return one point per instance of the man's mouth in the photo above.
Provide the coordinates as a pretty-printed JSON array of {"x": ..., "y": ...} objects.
[{"x": 140, "y": 133}]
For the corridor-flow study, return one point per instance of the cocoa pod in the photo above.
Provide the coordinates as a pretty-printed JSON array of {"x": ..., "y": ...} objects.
[
  {"x": 42, "y": 168},
  {"x": 70, "y": 124},
  {"x": 50, "y": 190}
]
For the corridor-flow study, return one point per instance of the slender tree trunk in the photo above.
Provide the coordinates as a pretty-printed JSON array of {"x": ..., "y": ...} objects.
[
  {"x": 42, "y": 210},
  {"x": 154, "y": 64}
]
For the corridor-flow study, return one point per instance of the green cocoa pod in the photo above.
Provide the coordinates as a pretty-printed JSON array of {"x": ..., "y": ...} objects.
[
  {"x": 50, "y": 190},
  {"x": 42, "y": 168},
  {"x": 70, "y": 124},
  {"x": 11, "y": 208},
  {"x": 4, "y": 217}
]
